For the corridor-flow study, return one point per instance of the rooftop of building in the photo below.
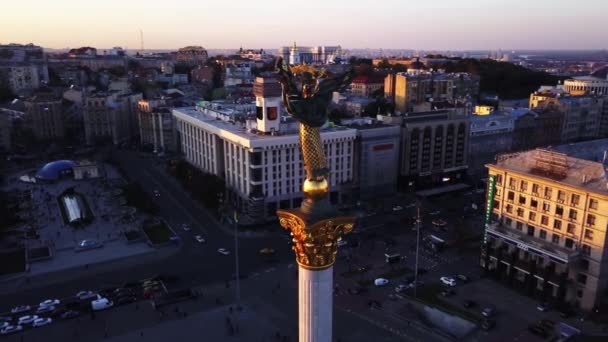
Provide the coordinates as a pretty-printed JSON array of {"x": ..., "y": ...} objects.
[
  {"x": 369, "y": 79},
  {"x": 233, "y": 119},
  {"x": 364, "y": 123},
  {"x": 589, "y": 79},
  {"x": 581, "y": 165}
]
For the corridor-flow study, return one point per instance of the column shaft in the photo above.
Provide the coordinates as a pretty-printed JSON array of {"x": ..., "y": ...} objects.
[{"x": 315, "y": 292}]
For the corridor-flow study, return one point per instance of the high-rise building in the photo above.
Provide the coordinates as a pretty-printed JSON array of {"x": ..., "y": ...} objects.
[
  {"x": 192, "y": 55},
  {"x": 44, "y": 116},
  {"x": 546, "y": 221}
]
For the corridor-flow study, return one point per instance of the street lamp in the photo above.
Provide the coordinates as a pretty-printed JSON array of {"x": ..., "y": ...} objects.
[{"x": 418, "y": 220}]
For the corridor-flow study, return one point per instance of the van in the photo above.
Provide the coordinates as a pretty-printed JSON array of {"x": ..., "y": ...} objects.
[{"x": 101, "y": 304}]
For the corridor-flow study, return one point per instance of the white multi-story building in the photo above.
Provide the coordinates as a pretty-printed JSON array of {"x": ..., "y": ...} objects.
[
  {"x": 258, "y": 154},
  {"x": 311, "y": 55}
]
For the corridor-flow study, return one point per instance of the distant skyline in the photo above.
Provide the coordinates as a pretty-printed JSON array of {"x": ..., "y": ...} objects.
[{"x": 390, "y": 24}]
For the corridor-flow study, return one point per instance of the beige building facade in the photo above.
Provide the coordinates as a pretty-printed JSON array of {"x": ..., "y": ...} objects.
[{"x": 547, "y": 221}]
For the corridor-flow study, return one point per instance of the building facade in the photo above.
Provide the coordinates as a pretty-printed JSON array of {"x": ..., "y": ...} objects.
[
  {"x": 257, "y": 152},
  {"x": 586, "y": 85},
  {"x": 156, "y": 125},
  {"x": 546, "y": 223},
  {"x": 490, "y": 134},
  {"x": 434, "y": 148},
  {"x": 5, "y": 132},
  {"x": 238, "y": 73},
  {"x": 192, "y": 55},
  {"x": 376, "y": 155},
  {"x": 44, "y": 116},
  {"x": 310, "y": 55},
  {"x": 109, "y": 116},
  {"x": 365, "y": 86},
  {"x": 412, "y": 88}
]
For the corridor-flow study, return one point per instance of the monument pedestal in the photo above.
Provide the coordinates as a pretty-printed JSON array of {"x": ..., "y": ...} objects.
[{"x": 315, "y": 295}]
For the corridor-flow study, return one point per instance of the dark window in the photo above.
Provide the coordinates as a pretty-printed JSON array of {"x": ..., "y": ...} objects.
[
  {"x": 569, "y": 243},
  {"x": 586, "y": 250},
  {"x": 532, "y": 216},
  {"x": 519, "y": 225},
  {"x": 259, "y": 113},
  {"x": 509, "y": 208},
  {"x": 571, "y": 228},
  {"x": 591, "y": 220},
  {"x": 544, "y": 220},
  {"x": 498, "y": 177},
  {"x": 534, "y": 203},
  {"x": 530, "y": 231},
  {"x": 555, "y": 239},
  {"x": 561, "y": 196},
  {"x": 584, "y": 264},
  {"x": 548, "y": 192},
  {"x": 511, "y": 196},
  {"x": 593, "y": 203},
  {"x": 575, "y": 199},
  {"x": 582, "y": 279},
  {"x": 523, "y": 186},
  {"x": 557, "y": 224},
  {"x": 508, "y": 221},
  {"x": 535, "y": 188},
  {"x": 559, "y": 210},
  {"x": 572, "y": 214},
  {"x": 522, "y": 199},
  {"x": 543, "y": 234},
  {"x": 520, "y": 212},
  {"x": 588, "y": 234},
  {"x": 546, "y": 206}
]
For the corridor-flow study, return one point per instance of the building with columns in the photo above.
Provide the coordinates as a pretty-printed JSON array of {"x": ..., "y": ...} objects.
[
  {"x": 156, "y": 125},
  {"x": 546, "y": 222},
  {"x": 310, "y": 55},
  {"x": 586, "y": 85}
]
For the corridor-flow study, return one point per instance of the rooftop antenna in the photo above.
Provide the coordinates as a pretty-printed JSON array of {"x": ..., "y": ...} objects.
[{"x": 141, "y": 40}]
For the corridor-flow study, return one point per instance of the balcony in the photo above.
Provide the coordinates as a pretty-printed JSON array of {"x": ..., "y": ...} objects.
[{"x": 533, "y": 245}]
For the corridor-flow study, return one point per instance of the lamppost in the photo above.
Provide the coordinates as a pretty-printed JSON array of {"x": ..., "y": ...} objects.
[{"x": 418, "y": 221}]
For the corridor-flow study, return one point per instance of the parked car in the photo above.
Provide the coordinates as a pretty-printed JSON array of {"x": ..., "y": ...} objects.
[
  {"x": 397, "y": 208},
  {"x": 538, "y": 330},
  {"x": 380, "y": 282},
  {"x": 88, "y": 244},
  {"x": 488, "y": 324},
  {"x": 547, "y": 323},
  {"x": 448, "y": 292},
  {"x": 488, "y": 311},
  {"x": 27, "y": 319},
  {"x": 449, "y": 281},
  {"x": 49, "y": 302},
  {"x": 200, "y": 239},
  {"x": 463, "y": 277},
  {"x": 223, "y": 251},
  {"x": 45, "y": 309},
  {"x": 86, "y": 295},
  {"x": 101, "y": 304},
  {"x": 401, "y": 288},
  {"x": 70, "y": 314},
  {"x": 543, "y": 307},
  {"x": 469, "y": 304},
  {"x": 156, "y": 193},
  {"x": 121, "y": 291},
  {"x": 125, "y": 300},
  {"x": 40, "y": 322},
  {"x": 266, "y": 251},
  {"x": 11, "y": 329},
  {"x": 4, "y": 325},
  {"x": 20, "y": 309},
  {"x": 186, "y": 227}
]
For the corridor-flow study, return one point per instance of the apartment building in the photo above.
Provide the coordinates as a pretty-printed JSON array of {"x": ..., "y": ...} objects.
[{"x": 546, "y": 221}]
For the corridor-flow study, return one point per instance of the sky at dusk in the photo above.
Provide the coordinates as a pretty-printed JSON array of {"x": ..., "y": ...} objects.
[{"x": 427, "y": 24}]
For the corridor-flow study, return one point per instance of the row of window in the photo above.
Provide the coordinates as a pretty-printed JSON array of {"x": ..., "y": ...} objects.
[{"x": 537, "y": 189}]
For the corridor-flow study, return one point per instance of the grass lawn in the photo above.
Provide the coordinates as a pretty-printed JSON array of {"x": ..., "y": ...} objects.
[
  {"x": 13, "y": 262},
  {"x": 158, "y": 233},
  {"x": 431, "y": 295}
]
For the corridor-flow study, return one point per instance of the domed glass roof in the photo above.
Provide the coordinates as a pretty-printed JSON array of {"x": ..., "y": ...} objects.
[{"x": 53, "y": 170}]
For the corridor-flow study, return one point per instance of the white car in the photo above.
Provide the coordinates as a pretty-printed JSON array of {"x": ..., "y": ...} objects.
[
  {"x": 40, "y": 322},
  {"x": 27, "y": 319},
  {"x": 200, "y": 239},
  {"x": 11, "y": 329},
  {"x": 49, "y": 302},
  {"x": 101, "y": 304},
  {"x": 45, "y": 309},
  {"x": 186, "y": 227},
  {"x": 223, "y": 251},
  {"x": 380, "y": 282},
  {"x": 21, "y": 308},
  {"x": 449, "y": 281},
  {"x": 84, "y": 295},
  {"x": 397, "y": 208}
]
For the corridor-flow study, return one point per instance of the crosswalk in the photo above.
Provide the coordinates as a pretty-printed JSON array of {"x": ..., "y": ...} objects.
[{"x": 430, "y": 260}]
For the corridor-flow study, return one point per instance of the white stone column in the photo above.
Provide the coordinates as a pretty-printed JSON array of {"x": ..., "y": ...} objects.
[{"x": 315, "y": 293}]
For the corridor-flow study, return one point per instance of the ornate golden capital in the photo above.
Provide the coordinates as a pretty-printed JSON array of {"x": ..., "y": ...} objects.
[{"x": 315, "y": 245}]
